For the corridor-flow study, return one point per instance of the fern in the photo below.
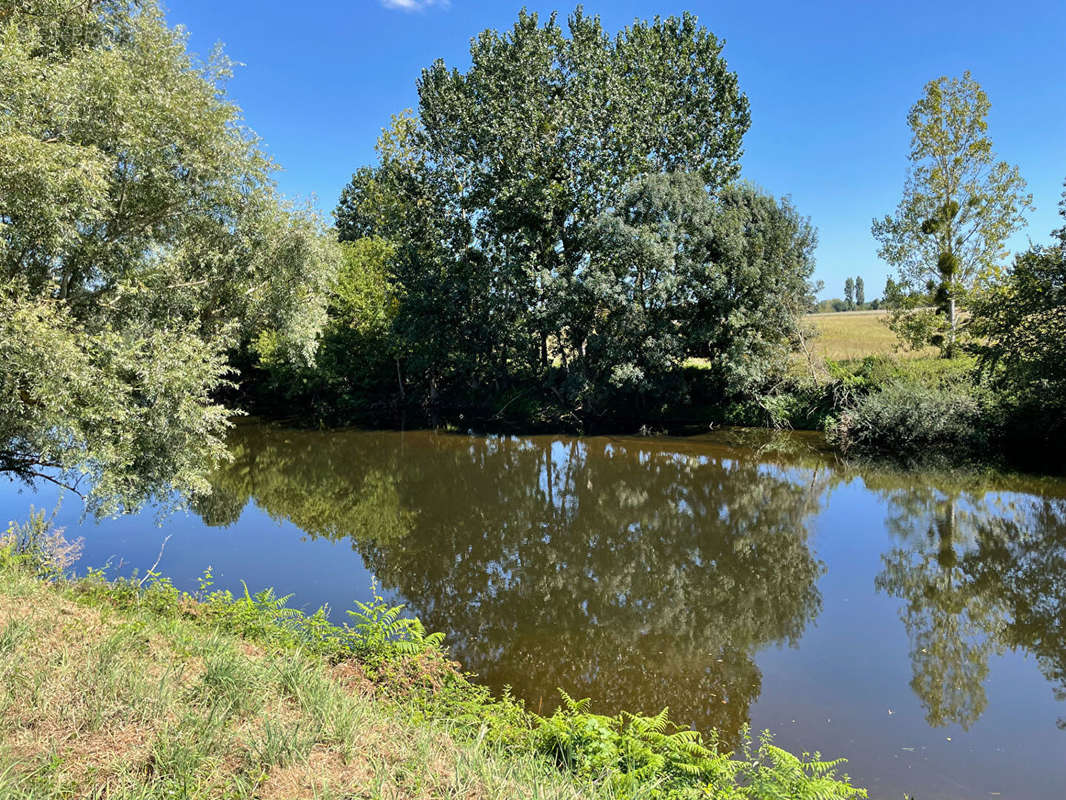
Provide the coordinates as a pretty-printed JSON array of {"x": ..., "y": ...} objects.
[
  {"x": 650, "y": 757},
  {"x": 629, "y": 755},
  {"x": 382, "y": 633}
]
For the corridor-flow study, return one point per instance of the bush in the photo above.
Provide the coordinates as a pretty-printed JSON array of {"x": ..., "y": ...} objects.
[
  {"x": 39, "y": 546},
  {"x": 914, "y": 423},
  {"x": 796, "y": 403},
  {"x": 878, "y": 372}
]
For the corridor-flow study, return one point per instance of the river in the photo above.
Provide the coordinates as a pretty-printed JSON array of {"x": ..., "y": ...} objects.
[{"x": 914, "y": 623}]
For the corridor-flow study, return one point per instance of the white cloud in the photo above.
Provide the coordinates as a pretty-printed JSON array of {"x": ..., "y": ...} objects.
[{"x": 413, "y": 5}]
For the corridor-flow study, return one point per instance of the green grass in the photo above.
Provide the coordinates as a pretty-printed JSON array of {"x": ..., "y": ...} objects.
[
  {"x": 103, "y": 702},
  {"x": 127, "y": 691},
  {"x": 851, "y": 335}
]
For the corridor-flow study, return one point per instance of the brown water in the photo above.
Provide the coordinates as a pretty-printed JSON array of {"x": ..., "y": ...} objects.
[{"x": 914, "y": 623}]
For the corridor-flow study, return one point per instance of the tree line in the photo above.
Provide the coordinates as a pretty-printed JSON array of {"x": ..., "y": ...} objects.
[{"x": 854, "y": 298}]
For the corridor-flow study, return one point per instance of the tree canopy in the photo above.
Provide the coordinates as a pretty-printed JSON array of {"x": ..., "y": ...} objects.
[
  {"x": 1019, "y": 324},
  {"x": 563, "y": 212},
  {"x": 141, "y": 236}
]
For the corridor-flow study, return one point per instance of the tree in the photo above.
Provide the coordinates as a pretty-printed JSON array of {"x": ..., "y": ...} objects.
[
  {"x": 959, "y": 203},
  {"x": 893, "y": 296},
  {"x": 953, "y": 627},
  {"x": 672, "y": 271},
  {"x": 977, "y": 577},
  {"x": 814, "y": 288},
  {"x": 860, "y": 293},
  {"x": 1019, "y": 326},
  {"x": 849, "y": 293},
  {"x": 504, "y": 181},
  {"x": 140, "y": 239},
  {"x": 354, "y": 373}
]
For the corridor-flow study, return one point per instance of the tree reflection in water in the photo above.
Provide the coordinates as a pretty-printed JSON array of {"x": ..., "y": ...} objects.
[
  {"x": 979, "y": 573},
  {"x": 644, "y": 573},
  {"x": 629, "y": 571}
]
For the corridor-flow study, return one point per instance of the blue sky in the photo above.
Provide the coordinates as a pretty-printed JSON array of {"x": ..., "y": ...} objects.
[{"x": 830, "y": 84}]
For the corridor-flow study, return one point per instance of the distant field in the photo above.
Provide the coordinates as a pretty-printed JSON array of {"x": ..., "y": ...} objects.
[
  {"x": 846, "y": 335},
  {"x": 854, "y": 334}
]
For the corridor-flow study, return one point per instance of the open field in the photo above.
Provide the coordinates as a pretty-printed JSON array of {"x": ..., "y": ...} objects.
[{"x": 848, "y": 335}]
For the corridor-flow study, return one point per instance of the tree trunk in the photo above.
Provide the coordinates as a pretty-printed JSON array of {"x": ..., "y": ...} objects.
[
  {"x": 951, "y": 323},
  {"x": 399, "y": 381}
]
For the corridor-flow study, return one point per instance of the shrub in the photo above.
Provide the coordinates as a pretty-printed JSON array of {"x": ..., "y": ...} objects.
[{"x": 914, "y": 424}]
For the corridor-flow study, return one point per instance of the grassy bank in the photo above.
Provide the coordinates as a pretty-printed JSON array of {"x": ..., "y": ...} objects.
[{"x": 132, "y": 689}]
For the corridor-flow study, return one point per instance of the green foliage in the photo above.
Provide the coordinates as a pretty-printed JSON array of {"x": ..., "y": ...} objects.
[
  {"x": 39, "y": 546},
  {"x": 618, "y": 757},
  {"x": 1019, "y": 325},
  {"x": 363, "y": 297},
  {"x": 1021, "y": 328},
  {"x": 675, "y": 273},
  {"x": 140, "y": 238},
  {"x": 379, "y": 636},
  {"x": 827, "y": 401},
  {"x": 959, "y": 205},
  {"x": 917, "y": 328},
  {"x": 835, "y": 304},
  {"x": 899, "y": 296},
  {"x": 128, "y": 411},
  {"x": 561, "y": 242},
  {"x": 914, "y": 424},
  {"x": 650, "y": 757},
  {"x": 384, "y": 634},
  {"x": 222, "y": 730}
]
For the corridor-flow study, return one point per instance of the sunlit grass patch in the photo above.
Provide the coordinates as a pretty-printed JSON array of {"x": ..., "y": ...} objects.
[
  {"x": 849, "y": 335},
  {"x": 99, "y": 702}
]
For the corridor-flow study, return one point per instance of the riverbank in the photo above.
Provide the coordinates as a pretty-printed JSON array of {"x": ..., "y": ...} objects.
[
  {"x": 884, "y": 410},
  {"x": 130, "y": 688}
]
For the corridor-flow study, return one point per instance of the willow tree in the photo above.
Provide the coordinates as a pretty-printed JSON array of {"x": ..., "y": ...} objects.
[
  {"x": 140, "y": 238},
  {"x": 960, "y": 205}
]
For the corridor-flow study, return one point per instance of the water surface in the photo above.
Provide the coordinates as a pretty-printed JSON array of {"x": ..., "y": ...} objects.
[{"x": 914, "y": 623}]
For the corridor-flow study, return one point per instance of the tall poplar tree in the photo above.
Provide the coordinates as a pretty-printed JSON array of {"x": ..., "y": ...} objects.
[{"x": 960, "y": 204}]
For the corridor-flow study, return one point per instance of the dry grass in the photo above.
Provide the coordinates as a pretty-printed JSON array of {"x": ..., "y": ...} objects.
[
  {"x": 850, "y": 335},
  {"x": 97, "y": 703}
]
